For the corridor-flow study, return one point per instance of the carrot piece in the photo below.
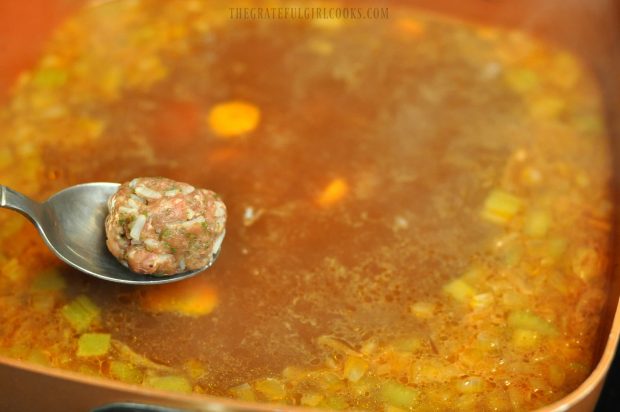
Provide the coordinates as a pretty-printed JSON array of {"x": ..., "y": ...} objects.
[
  {"x": 410, "y": 27},
  {"x": 233, "y": 118},
  {"x": 192, "y": 297},
  {"x": 335, "y": 191}
]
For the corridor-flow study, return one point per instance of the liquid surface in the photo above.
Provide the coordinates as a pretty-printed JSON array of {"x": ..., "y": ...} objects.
[{"x": 414, "y": 204}]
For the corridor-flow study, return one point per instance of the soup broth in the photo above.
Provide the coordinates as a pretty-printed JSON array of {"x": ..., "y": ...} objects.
[{"x": 419, "y": 208}]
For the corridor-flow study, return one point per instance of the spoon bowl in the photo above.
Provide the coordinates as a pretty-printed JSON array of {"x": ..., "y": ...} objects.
[{"x": 71, "y": 223}]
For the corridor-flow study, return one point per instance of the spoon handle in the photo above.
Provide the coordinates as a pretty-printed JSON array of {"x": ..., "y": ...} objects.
[{"x": 10, "y": 199}]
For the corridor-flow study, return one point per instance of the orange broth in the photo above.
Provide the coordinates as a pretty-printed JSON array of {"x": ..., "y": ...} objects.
[{"x": 419, "y": 209}]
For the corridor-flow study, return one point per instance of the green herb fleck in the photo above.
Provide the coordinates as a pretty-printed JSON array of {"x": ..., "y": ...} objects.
[
  {"x": 171, "y": 248},
  {"x": 165, "y": 233}
]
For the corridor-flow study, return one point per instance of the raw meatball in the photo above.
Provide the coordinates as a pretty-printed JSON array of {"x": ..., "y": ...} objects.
[{"x": 157, "y": 226}]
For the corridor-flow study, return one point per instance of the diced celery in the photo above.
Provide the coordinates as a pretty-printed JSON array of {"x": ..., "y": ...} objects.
[
  {"x": 526, "y": 320},
  {"x": 169, "y": 383},
  {"x": 521, "y": 80},
  {"x": 354, "y": 368},
  {"x": 459, "y": 290},
  {"x": 500, "y": 207},
  {"x": 125, "y": 372},
  {"x": 93, "y": 344},
  {"x": 50, "y": 280},
  {"x": 81, "y": 313},
  {"x": 50, "y": 77},
  {"x": 243, "y": 392},
  {"x": 525, "y": 339},
  {"x": 399, "y": 395},
  {"x": 271, "y": 388},
  {"x": 537, "y": 223}
]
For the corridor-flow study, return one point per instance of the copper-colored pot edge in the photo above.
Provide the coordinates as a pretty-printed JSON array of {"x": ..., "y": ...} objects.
[{"x": 584, "y": 398}]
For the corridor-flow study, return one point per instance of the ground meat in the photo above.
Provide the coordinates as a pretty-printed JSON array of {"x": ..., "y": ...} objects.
[{"x": 158, "y": 226}]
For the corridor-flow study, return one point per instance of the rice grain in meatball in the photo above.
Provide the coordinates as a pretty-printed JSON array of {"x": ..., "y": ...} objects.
[{"x": 157, "y": 226}]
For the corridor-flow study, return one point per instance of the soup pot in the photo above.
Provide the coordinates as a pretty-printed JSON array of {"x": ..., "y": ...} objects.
[{"x": 590, "y": 29}]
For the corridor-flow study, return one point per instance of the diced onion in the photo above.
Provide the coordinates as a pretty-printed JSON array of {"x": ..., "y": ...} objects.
[
  {"x": 311, "y": 399},
  {"x": 525, "y": 339},
  {"x": 472, "y": 384},
  {"x": 186, "y": 190},
  {"x": 537, "y": 223},
  {"x": 151, "y": 244},
  {"x": 526, "y": 320},
  {"x": 143, "y": 191},
  {"x": 271, "y": 388},
  {"x": 220, "y": 211},
  {"x": 193, "y": 222},
  {"x": 243, "y": 392},
  {"x": 423, "y": 310},
  {"x": 136, "y": 198},
  {"x": 217, "y": 244},
  {"x": 128, "y": 210},
  {"x": 354, "y": 368},
  {"x": 137, "y": 227}
]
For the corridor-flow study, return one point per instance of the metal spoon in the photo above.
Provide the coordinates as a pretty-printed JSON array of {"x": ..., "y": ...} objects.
[{"x": 72, "y": 225}]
